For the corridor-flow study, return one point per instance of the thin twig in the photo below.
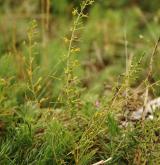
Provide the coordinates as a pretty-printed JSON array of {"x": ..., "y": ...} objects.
[
  {"x": 148, "y": 77},
  {"x": 102, "y": 161}
]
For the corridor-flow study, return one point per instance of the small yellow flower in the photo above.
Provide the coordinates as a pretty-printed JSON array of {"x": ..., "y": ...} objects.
[
  {"x": 75, "y": 50},
  {"x": 3, "y": 81},
  {"x": 29, "y": 73},
  {"x": 66, "y": 40}
]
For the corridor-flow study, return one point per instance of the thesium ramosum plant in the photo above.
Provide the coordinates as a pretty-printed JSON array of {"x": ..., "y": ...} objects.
[
  {"x": 71, "y": 91},
  {"x": 92, "y": 99}
]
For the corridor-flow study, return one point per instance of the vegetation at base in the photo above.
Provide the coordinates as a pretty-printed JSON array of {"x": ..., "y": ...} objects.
[{"x": 69, "y": 72}]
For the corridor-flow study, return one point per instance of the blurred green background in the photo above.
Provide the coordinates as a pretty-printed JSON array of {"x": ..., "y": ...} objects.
[{"x": 102, "y": 43}]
